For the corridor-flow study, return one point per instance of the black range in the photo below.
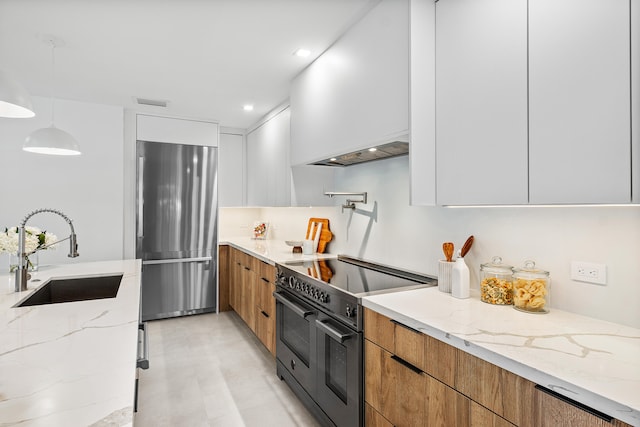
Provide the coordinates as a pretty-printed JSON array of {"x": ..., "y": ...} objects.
[{"x": 319, "y": 330}]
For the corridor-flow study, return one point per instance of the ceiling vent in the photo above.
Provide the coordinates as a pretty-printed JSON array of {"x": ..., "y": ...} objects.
[
  {"x": 385, "y": 151},
  {"x": 152, "y": 102}
]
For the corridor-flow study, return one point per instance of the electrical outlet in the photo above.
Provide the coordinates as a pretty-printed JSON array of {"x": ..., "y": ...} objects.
[{"x": 589, "y": 272}]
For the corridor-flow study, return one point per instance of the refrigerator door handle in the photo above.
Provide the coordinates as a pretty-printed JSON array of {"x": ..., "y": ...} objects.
[
  {"x": 177, "y": 260},
  {"x": 140, "y": 197}
]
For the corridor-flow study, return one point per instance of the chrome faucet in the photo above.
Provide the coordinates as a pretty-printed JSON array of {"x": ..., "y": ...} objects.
[{"x": 21, "y": 271}]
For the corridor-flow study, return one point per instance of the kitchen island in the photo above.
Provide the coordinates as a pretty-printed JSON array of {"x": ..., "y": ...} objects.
[
  {"x": 70, "y": 364},
  {"x": 593, "y": 362}
]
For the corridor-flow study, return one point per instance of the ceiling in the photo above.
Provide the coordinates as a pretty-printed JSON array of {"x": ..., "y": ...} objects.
[{"x": 208, "y": 58}]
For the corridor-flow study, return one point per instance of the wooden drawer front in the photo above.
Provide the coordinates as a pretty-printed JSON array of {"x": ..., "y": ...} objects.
[
  {"x": 410, "y": 395},
  {"x": 410, "y": 345},
  {"x": 379, "y": 329},
  {"x": 481, "y": 416},
  {"x": 372, "y": 418},
  {"x": 267, "y": 271},
  {"x": 554, "y": 410},
  {"x": 504, "y": 393},
  {"x": 445, "y": 406},
  {"x": 379, "y": 378},
  {"x": 440, "y": 360}
]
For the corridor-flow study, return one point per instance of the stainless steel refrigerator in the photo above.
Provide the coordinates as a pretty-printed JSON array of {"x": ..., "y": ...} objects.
[{"x": 176, "y": 226}]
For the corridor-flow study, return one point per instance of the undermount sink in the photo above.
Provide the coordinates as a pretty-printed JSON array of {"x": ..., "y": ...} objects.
[{"x": 74, "y": 289}]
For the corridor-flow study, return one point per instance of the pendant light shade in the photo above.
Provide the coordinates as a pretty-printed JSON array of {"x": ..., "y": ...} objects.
[
  {"x": 51, "y": 140},
  {"x": 14, "y": 99}
]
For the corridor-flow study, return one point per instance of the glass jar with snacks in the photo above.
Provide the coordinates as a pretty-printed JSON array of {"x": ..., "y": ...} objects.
[
  {"x": 531, "y": 289},
  {"x": 496, "y": 282}
]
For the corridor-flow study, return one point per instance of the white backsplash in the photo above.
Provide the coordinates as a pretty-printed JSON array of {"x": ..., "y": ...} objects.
[{"x": 389, "y": 231}]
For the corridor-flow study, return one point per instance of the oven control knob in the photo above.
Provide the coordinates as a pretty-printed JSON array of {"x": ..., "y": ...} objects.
[
  {"x": 323, "y": 297},
  {"x": 292, "y": 281},
  {"x": 350, "y": 311},
  {"x": 316, "y": 294}
]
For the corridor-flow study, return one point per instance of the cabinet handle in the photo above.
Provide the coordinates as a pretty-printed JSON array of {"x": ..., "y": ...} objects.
[
  {"x": 405, "y": 326},
  {"x": 407, "y": 365},
  {"x": 264, "y": 280},
  {"x": 264, "y": 314},
  {"x": 578, "y": 405},
  {"x": 247, "y": 268}
]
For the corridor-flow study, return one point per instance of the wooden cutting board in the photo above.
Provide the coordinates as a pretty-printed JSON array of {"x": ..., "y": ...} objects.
[{"x": 325, "y": 234}]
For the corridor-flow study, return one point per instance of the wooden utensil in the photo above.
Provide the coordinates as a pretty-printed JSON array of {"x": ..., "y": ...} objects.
[
  {"x": 466, "y": 247},
  {"x": 447, "y": 248}
]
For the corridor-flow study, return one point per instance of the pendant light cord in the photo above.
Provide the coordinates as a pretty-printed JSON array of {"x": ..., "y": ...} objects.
[{"x": 53, "y": 80}]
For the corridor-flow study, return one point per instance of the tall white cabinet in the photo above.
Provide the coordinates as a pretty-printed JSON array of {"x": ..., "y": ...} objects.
[
  {"x": 231, "y": 170},
  {"x": 481, "y": 101},
  {"x": 268, "y": 166},
  {"x": 579, "y": 101}
]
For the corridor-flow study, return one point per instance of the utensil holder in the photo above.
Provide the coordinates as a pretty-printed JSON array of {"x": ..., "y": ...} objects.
[{"x": 445, "y": 269}]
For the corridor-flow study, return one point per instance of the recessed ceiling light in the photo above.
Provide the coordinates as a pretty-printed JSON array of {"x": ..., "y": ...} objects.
[
  {"x": 333, "y": 159},
  {"x": 248, "y": 107},
  {"x": 372, "y": 149},
  {"x": 303, "y": 53}
]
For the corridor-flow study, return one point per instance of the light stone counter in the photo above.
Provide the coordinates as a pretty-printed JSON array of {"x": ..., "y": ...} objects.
[
  {"x": 70, "y": 364},
  {"x": 591, "y": 361},
  {"x": 270, "y": 251}
]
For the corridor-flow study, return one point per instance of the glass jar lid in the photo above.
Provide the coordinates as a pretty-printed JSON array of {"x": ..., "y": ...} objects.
[
  {"x": 496, "y": 267},
  {"x": 530, "y": 271}
]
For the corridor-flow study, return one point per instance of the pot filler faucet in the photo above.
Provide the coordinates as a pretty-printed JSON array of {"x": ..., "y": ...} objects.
[
  {"x": 350, "y": 203},
  {"x": 21, "y": 271}
]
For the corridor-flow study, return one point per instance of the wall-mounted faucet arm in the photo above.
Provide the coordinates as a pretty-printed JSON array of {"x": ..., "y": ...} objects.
[{"x": 350, "y": 203}]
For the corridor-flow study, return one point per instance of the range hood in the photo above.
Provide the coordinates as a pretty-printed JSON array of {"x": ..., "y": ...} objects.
[{"x": 379, "y": 152}]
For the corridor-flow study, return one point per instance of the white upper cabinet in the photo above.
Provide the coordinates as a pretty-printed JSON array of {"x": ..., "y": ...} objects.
[
  {"x": 579, "y": 101},
  {"x": 422, "y": 120},
  {"x": 268, "y": 168},
  {"x": 356, "y": 94},
  {"x": 231, "y": 173},
  {"x": 178, "y": 131},
  {"x": 481, "y": 102}
]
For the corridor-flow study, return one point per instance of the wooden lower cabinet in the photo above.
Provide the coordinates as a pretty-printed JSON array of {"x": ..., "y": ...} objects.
[
  {"x": 481, "y": 416},
  {"x": 251, "y": 287},
  {"x": 372, "y": 418},
  {"x": 412, "y": 379},
  {"x": 224, "y": 278}
]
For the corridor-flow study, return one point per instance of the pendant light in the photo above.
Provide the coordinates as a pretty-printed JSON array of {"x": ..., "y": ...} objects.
[
  {"x": 14, "y": 99},
  {"x": 52, "y": 140}
]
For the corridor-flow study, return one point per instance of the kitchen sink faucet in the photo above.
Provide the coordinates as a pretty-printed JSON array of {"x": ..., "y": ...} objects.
[{"x": 21, "y": 271}]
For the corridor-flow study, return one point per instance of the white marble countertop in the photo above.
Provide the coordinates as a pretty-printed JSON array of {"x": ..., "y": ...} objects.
[
  {"x": 271, "y": 251},
  {"x": 591, "y": 361},
  {"x": 69, "y": 364}
]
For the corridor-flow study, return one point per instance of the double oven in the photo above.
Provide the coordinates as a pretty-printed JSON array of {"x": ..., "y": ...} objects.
[{"x": 319, "y": 339}]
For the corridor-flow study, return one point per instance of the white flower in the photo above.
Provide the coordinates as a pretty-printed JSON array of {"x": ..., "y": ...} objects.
[{"x": 34, "y": 239}]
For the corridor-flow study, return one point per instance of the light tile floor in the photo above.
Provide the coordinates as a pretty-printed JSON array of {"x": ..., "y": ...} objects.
[{"x": 210, "y": 370}]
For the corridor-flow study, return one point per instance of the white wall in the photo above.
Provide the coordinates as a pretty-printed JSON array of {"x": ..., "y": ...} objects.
[
  {"x": 389, "y": 231},
  {"x": 87, "y": 188}
]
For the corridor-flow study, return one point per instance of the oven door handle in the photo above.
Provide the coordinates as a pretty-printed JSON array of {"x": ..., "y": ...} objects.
[
  {"x": 333, "y": 332},
  {"x": 296, "y": 308}
]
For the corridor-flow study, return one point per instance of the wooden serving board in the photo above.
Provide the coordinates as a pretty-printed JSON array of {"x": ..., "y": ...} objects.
[{"x": 325, "y": 234}]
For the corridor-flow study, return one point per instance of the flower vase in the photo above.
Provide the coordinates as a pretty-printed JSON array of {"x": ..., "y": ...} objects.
[{"x": 32, "y": 262}]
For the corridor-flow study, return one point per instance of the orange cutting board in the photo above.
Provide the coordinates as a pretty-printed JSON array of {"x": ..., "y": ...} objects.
[{"x": 325, "y": 234}]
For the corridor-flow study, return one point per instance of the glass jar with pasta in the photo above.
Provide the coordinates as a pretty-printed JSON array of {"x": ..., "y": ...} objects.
[
  {"x": 496, "y": 282},
  {"x": 531, "y": 289}
]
